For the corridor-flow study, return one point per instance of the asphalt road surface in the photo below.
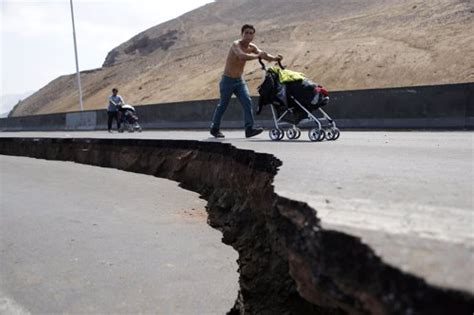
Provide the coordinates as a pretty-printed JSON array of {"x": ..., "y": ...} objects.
[
  {"x": 408, "y": 195},
  {"x": 77, "y": 239}
]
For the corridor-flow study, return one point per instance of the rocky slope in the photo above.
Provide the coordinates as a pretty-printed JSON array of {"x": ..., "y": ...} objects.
[{"x": 343, "y": 44}]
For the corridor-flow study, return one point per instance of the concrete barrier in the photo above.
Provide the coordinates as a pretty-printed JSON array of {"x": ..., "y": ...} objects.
[
  {"x": 448, "y": 106},
  {"x": 81, "y": 121},
  {"x": 49, "y": 122},
  {"x": 439, "y": 106}
]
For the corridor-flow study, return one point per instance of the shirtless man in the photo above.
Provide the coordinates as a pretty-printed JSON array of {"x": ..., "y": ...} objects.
[{"x": 232, "y": 82}]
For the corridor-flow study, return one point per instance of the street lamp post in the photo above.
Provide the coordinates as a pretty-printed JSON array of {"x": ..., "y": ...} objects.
[{"x": 75, "y": 53}]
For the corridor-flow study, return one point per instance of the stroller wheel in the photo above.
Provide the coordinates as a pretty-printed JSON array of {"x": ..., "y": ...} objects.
[
  {"x": 276, "y": 134},
  {"x": 316, "y": 134},
  {"x": 299, "y": 133},
  {"x": 136, "y": 127},
  {"x": 293, "y": 133},
  {"x": 282, "y": 135},
  {"x": 329, "y": 134},
  {"x": 322, "y": 135}
]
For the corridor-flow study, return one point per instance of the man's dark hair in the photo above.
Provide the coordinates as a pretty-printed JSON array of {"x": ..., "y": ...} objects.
[
  {"x": 114, "y": 90},
  {"x": 245, "y": 26}
]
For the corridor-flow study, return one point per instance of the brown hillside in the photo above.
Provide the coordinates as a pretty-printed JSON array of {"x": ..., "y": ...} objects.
[{"x": 343, "y": 44}]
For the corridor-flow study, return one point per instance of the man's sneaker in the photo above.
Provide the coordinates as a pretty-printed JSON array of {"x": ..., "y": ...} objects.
[
  {"x": 216, "y": 133},
  {"x": 250, "y": 132}
]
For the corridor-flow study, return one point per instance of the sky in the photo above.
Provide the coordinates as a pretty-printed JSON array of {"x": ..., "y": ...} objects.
[{"x": 37, "y": 40}]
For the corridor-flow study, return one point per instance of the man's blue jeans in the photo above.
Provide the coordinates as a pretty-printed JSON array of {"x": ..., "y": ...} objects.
[{"x": 229, "y": 86}]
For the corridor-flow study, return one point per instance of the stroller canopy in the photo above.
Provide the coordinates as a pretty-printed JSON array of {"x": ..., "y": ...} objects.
[{"x": 128, "y": 106}]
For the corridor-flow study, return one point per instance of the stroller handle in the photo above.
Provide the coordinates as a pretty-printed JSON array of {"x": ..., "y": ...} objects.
[{"x": 265, "y": 68}]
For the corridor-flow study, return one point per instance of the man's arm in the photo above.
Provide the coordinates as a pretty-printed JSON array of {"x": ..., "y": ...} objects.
[
  {"x": 266, "y": 56},
  {"x": 111, "y": 101},
  {"x": 121, "y": 101},
  {"x": 242, "y": 54},
  {"x": 269, "y": 57}
]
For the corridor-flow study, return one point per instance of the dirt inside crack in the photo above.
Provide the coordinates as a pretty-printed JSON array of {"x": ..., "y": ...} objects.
[{"x": 288, "y": 264}]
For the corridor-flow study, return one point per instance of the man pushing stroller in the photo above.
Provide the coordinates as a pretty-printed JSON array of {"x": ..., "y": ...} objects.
[
  {"x": 232, "y": 81},
  {"x": 113, "y": 109},
  {"x": 124, "y": 114}
]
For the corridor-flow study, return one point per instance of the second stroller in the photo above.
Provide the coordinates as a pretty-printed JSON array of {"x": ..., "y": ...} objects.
[{"x": 129, "y": 119}]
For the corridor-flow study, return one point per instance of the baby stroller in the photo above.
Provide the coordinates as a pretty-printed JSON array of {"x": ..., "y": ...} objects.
[
  {"x": 128, "y": 119},
  {"x": 294, "y": 99}
]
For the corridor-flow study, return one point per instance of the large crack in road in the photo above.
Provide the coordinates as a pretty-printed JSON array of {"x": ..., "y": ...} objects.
[{"x": 288, "y": 263}]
